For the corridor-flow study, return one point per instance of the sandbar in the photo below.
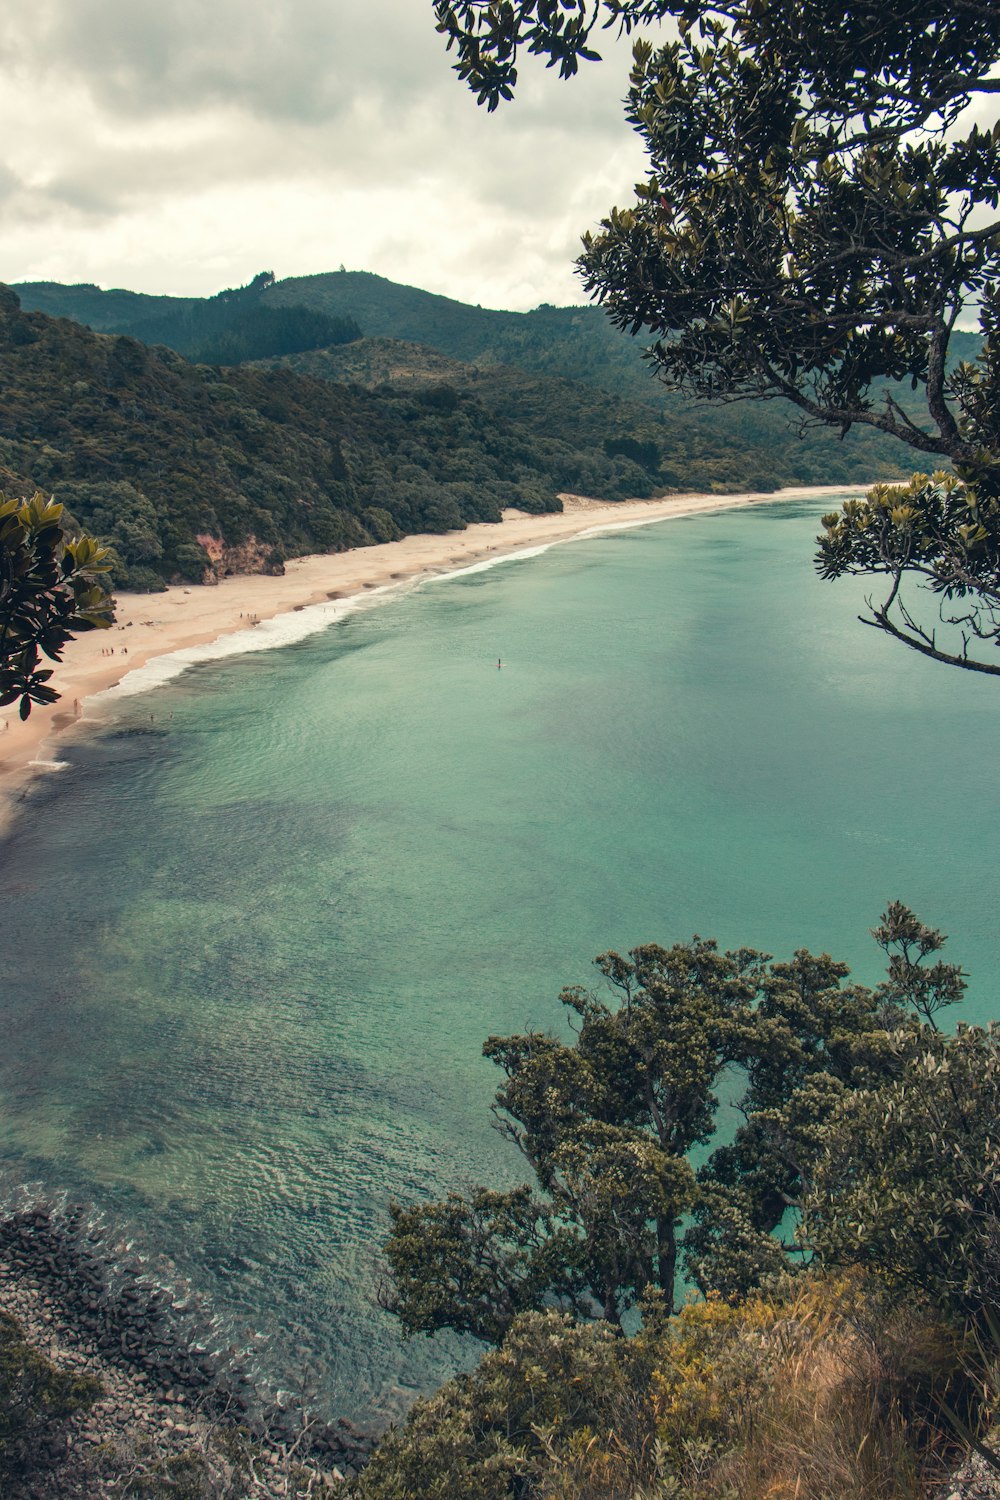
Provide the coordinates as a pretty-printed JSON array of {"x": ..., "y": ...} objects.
[{"x": 151, "y": 625}]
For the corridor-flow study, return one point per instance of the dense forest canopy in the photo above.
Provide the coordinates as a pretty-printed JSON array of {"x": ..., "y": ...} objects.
[
  {"x": 260, "y": 459},
  {"x": 151, "y": 453}
]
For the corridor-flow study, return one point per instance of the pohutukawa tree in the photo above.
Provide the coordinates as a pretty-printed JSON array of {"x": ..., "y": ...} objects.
[
  {"x": 50, "y": 590},
  {"x": 607, "y": 1125},
  {"x": 820, "y": 212}
]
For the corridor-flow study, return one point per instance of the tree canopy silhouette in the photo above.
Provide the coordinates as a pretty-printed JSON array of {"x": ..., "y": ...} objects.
[{"x": 819, "y": 213}]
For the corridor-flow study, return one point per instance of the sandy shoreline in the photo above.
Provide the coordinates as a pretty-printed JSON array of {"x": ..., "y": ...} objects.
[{"x": 152, "y": 625}]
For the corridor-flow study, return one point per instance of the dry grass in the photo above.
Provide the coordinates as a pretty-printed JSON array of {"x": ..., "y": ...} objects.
[
  {"x": 820, "y": 1390},
  {"x": 825, "y": 1396}
]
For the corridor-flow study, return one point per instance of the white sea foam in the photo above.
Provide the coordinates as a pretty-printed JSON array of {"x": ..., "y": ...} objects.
[
  {"x": 297, "y": 624},
  {"x": 493, "y": 562},
  {"x": 285, "y": 629}
]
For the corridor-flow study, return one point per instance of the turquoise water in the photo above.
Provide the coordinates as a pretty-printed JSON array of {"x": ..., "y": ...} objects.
[{"x": 256, "y": 933}]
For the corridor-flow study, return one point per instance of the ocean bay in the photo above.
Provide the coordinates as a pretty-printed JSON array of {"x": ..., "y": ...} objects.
[{"x": 274, "y": 911}]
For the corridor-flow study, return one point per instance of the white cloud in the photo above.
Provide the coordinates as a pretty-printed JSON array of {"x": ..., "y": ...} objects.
[{"x": 181, "y": 145}]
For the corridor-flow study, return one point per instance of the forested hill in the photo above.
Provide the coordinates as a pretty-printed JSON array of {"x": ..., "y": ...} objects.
[
  {"x": 583, "y": 344},
  {"x": 580, "y": 342},
  {"x": 171, "y": 461},
  {"x": 235, "y": 325},
  {"x": 382, "y": 308},
  {"x": 551, "y": 372},
  {"x": 676, "y": 448},
  {"x": 162, "y": 457},
  {"x": 569, "y": 342}
]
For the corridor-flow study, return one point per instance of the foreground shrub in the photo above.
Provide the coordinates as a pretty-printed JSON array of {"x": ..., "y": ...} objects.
[
  {"x": 908, "y": 1181},
  {"x": 556, "y": 1403},
  {"x": 819, "y": 1389},
  {"x": 36, "y": 1400}
]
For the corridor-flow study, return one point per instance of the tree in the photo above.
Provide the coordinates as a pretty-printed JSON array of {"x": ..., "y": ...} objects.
[
  {"x": 556, "y": 1397},
  {"x": 908, "y": 1178},
  {"x": 49, "y": 590},
  {"x": 607, "y": 1124},
  {"x": 820, "y": 211}
]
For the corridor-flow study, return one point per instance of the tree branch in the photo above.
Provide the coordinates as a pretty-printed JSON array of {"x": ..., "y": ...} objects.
[{"x": 880, "y": 621}]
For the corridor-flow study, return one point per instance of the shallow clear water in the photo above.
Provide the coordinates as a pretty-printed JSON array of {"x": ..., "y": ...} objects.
[{"x": 255, "y": 935}]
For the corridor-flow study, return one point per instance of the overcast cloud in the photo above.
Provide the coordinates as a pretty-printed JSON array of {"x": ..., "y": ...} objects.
[{"x": 183, "y": 145}]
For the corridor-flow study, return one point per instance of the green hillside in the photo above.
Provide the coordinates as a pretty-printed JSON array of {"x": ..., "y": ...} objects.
[
  {"x": 234, "y": 325},
  {"x": 360, "y": 441},
  {"x": 571, "y": 342},
  {"x": 748, "y": 444},
  {"x": 381, "y": 307},
  {"x": 580, "y": 343},
  {"x": 158, "y": 455},
  {"x": 677, "y": 447},
  {"x": 385, "y": 309},
  {"x": 103, "y": 311}
]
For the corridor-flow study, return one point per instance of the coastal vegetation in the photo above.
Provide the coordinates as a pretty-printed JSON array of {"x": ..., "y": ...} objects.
[
  {"x": 677, "y": 447},
  {"x": 815, "y": 1387},
  {"x": 50, "y": 589},
  {"x": 188, "y": 471},
  {"x": 557, "y": 363},
  {"x": 180, "y": 469},
  {"x": 842, "y": 1236},
  {"x": 607, "y": 1125}
]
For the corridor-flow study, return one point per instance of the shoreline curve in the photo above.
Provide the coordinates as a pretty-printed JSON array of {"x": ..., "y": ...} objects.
[{"x": 185, "y": 623}]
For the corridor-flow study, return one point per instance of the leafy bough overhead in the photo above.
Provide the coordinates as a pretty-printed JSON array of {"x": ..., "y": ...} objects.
[
  {"x": 939, "y": 530},
  {"x": 49, "y": 591},
  {"x": 819, "y": 213}
]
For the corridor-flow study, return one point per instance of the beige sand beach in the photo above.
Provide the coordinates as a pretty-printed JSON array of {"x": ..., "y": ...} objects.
[{"x": 150, "y": 625}]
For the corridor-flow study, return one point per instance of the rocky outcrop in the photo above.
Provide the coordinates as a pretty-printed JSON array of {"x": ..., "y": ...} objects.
[
  {"x": 157, "y": 1349},
  {"x": 975, "y": 1480},
  {"x": 249, "y": 556}
]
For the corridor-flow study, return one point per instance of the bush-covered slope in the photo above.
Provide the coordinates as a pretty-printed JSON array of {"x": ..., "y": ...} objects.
[
  {"x": 577, "y": 344},
  {"x": 385, "y": 309},
  {"x": 582, "y": 344},
  {"x": 817, "y": 1389},
  {"x": 233, "y": 326},
  {"x": 680, "y": 448},
  {"x": 152, "y": 453},
  {"x": 161, "y": 457},
  {"x": 103, "y": 311}
]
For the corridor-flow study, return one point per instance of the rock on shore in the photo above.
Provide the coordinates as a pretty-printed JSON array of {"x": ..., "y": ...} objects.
[{"x": 93, "y": 1308}]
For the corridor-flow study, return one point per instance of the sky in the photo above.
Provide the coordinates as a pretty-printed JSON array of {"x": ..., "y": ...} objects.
[{"x": 181, "y": 146}]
